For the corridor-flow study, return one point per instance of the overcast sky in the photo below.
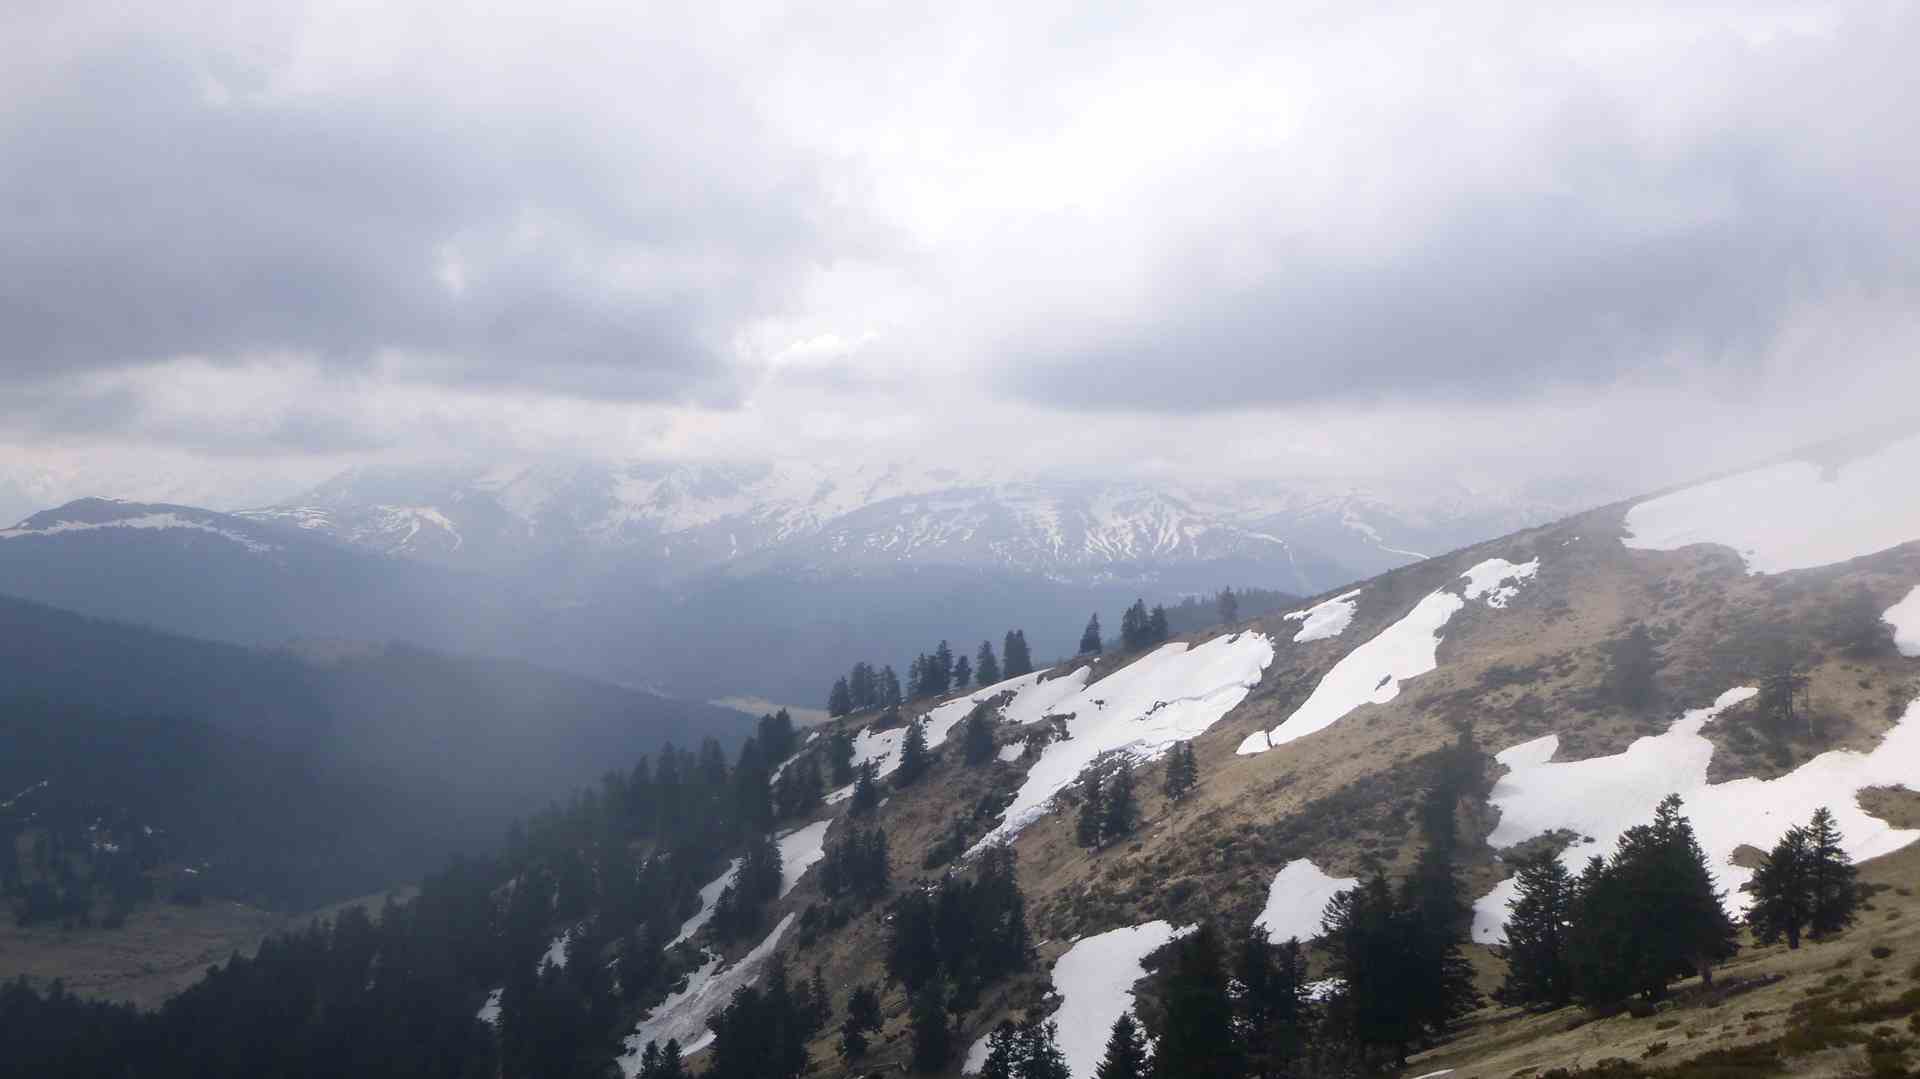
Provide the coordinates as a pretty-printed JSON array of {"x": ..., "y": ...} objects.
[{"x": 242, "y": 246}]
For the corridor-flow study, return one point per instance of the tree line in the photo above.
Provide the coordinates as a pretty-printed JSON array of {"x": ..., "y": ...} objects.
[{"x": 931, "y": 674}]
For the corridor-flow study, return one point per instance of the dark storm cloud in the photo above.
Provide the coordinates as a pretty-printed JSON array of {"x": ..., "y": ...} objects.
[
  {"x": 1503, "y": 298},
  {"x": 141, "y": 219}
]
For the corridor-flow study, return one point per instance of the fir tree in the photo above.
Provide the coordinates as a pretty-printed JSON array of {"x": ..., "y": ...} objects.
[
  {"x": 962, "y": 673},
  {"x": 1366, "y": 938},
  {"x": 840, "y": 757},
  {"x": 1782, "y": 893},
  {"x": 1093, "y": 811},
  {"x": 863, "y": 1018},
  {"x": 932, "y": 1037},
  {"x": 976, "y": 735},
  {"x": 943, "y": 673},
  {"x": 1122, "y": 810},
  {"x": 1272, "y": 1004},
  {"x": 1630, "y": 675},
  {"x": 1016, "y": 660},
  {"x": 1182, "y": 771},
  {"x": 863, "y": 685},
  {"x": 1090, "y": 638},
  {"x": 1831, "y": 877},
  {"x": 1539, "y": 969},
  {"x": 1157, "y": 628},
  {"x": 889, "y": 689},
  {"x": 915, "y": 757},
  {"x": 1133, "y": 628},
  {"x": 986, "y": 668},
  {"x": 866, "y": 792},
  {"x": 1126, "y": 1055},
  {"x": 671, "y": 1066},
  {"x": 1198, "y": 1038},
  {"x": 1228, "y": 605},
  {"x": 840, "y": 701}
]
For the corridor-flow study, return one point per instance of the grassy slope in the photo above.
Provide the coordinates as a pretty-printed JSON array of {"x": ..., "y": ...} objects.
[{"x": 1344, "y": 797}]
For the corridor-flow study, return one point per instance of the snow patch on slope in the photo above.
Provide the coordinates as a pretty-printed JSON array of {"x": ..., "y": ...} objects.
[
  {"x": 1372, "y": 673},
  {"x": 1032, "y": 700},
  {"x": 1904, "y": 617},
  {"x": 1095, "y": 979},
  {"x": 1793, "y": 515},
  {"x": 1323, "y": 620},
  {"x": 1169, "y": 695},
  {"x": 1604, "y": 796},
  {"x": 1296, "y": 899},
  {"x": 799, "y": 850},
  {"x": 709, "y": 895},
  {"x": 684, "y": 1014}
]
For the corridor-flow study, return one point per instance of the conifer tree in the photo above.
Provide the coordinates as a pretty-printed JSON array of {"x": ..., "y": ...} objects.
[
  {"x": 840, "y": 758},
  {"x": 986, "y": 668},
  {"x": 932, "y": 1037},
  {"x": 1182, "y": 771},
  {"x": 1016, "y": 660},
  {"x": 671, "y": 1066},
  {"x": 1090, "y": 638},
  {"x": 863, "y": 1018},
  {"x": 976, "y": 735},
  {"x": 863, "y": 686},
  {"x": 942, "y": 669},
  {"x": 1832, "y": 877},
  {"x": 1122, "y": 810},
  {"x": 1272, "y": 1004},
  {"x": 1126, "y": 1055},
  {"x": 1630, "y": 674},
  {"x": 1782, "y": 895},
  {"x": 1157, "y": 628},
  {"x": 1539, "y": 968},
  {"x": 889, "y": 689},
  {"x": 1228, "y": 605},
  {"x": 1093, "y": 811},
  {"x": 1198, "y": 1038},
  {"x": 866, "y": 791},
  {"x": 915, "y": 757},
  {"x": 840, "y": 701},
  {"x": 962, "y": 673},
  {"x": 1133, "y": 627}
]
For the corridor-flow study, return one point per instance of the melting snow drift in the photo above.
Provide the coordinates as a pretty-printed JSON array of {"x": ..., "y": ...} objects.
[
  {"x": 1296, "y": 899},
  {"x": 1836, "y": 514},
  {"x": 1032, "y": 700},
  {"x": 799, "y": 850},
  {"x": 1604, "y": 796},
  {"x": 1169, "y": 695},
  {"x": 1326, "y": 619},
  {"x": 1372, "y": 673},
  {"x": 684, "y": 1014},
  {"x": 1904, "y": 617},
  {"x": 1095, "y": 980}
]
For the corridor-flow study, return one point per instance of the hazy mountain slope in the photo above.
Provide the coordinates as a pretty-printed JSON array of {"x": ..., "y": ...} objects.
[
  {"x": 1525, "y": 651},
  {"x": 477, "y": 742}
]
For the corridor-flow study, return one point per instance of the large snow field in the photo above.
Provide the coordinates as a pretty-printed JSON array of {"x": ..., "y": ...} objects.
[
  {"x": 1604, "y": 796},
  {"x": 1329, "y": 618},
  {"x": 1793, "y": 515},
  {"x": 799, "y": 850},
  {"x": 1032, "y": 699},
  {"x": 1296, "y": 899},
  {"x": 1169, "y": 695},
  {"x": 709, "y": 895},
  {"x": 1094, "y": 979},
  {"x": 684, "y": 1014},
  {"x": 1904, "y": 617},
  {"x": 1372, "y": 673}
]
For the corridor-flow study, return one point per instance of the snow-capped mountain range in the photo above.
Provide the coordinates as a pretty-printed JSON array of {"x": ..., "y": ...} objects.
[{"x": 666, "y": 522}]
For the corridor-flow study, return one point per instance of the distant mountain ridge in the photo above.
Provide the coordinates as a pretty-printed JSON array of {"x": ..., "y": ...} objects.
[{"x": 667, "y": 523}]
